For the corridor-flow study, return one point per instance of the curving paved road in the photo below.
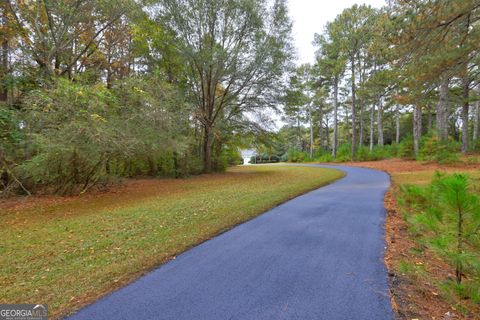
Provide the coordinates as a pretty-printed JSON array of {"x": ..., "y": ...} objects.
[{"x": 318, "y": 256}]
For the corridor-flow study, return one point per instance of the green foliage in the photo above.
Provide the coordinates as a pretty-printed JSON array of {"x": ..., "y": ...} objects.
[
  {"x": 405, "y": 149},
  {"x": 442, "y": 152},
  {"x": 266, "y": 158},
  {"x": 411, "y": 269},
  {"x": 326, "y": 157},
  {"x": 445, "y": 216},
  {"x": 81, "y": 135},
  {"x": 296, "y": 156},
  {"x": 10, "y": 133},
  {"x": 377, "y": 153},
  {"x": 343, "y": 154},
  {"x": 229, "y": 156}
]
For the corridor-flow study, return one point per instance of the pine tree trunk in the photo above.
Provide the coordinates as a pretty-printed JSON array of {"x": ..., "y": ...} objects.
[
  {"x": 299, "y": 135},
  {"x": 361, "y": 138},
  {"x": 380, "y": 122},
  {"x": 335, "y": 118},
  {"x": 417, "y": 129},
  {"x": 429, "y": 119},
  {"x": 476, "y": 116},
  {"x": 466, "y": 91},
  {"x": 311, "y": 131},
  {"x": 372, "y": 124},
  {"x": 354, "y": 127},
  {"x": 442, "y": 111},
  {"x": 397, "y": 125},
  {"x": 475, "y": 125},
  {"x": 327, "y": 134},
  {"x": 465, "y": 109},
  {"x": 320, "y": 127},
  {"x": 362, "y": 127}
]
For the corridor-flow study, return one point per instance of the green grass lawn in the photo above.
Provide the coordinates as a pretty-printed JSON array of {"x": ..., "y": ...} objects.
[{"x": 68, "y": 252}]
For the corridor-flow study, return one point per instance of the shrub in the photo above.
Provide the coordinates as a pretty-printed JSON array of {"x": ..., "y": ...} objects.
[
  {"x": 445, "y": 215},
  {"x": 266, "y": 158},
  {"x": 81, "y": 135},
  {"x": 344, "y": 152},
  {"x": 405, "y": 148},
  {"x": 296, "y": 156},
  {"x": 326, "y": 157},
  {"x": 441, "y": 152}
]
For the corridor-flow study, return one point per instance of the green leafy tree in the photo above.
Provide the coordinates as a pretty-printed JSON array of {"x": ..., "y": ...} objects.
[{"x": 236, "y": 54}]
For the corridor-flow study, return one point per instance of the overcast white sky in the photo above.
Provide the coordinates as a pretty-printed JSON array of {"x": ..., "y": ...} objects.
[{"x": 310, "y": 16}]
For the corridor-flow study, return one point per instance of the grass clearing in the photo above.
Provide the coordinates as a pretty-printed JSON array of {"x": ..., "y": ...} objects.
[{"x": 67, "y": 252}]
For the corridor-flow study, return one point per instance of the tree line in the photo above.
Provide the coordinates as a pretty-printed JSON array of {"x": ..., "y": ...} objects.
[
  {"x": 405, "y": 76},
  {"x": 92, "y": 91}
]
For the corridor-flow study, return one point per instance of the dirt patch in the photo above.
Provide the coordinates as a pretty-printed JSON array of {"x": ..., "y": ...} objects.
[{"x": 414, "y": 294}]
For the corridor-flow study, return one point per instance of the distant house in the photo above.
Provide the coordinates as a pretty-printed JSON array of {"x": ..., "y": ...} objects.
[{"x": 247, "y": 154}]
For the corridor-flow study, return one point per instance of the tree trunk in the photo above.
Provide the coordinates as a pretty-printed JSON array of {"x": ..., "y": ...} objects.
[
  {"x": 372, "y": 124},
  {"x": 458, "y": 268},
  {"x": 397, "y": 125},
  {"x": 417, "y": 129},
  {"x": 429, "y": 119},
  {"x": 4, "y": 58},
  {"x": 320, "y": 127},
  {"x": 335, "y": 118},
  {"x": 442, "y": 112},
  {"x": 207, "y": 148},
  {"x": 354, "y": 127},
  {"x": 361, "y": 70},
  {"x": 465, "y": 107},
  {"x": 380, "y": 122},
  {"x": 299, "y": 135},
  {"x": 327, "y": 134},
  {"x": 466, "y": 92},
  {"x": 311, "y": 130},
  {"x": 362, "y": 127},
  {"x": 476, "y": 121}
]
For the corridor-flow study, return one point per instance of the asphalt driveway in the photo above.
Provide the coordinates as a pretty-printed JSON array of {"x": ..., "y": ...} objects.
[{"x": 318, "y": 256}]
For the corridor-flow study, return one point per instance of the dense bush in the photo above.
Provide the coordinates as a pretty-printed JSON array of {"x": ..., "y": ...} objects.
[
  {"x": 441, "y": 152},
  {"x": 430, "y": 150},
  {"x": 344, "y": 152},
  {"x": 296, "y": 156},
  {"x": 445, "y": 217},
  {"x": 76, "y": 135},
  {"x": 10, "y": 147},
  {"x": 265, "y": 158},
  {"x": 405, "y": 149}
]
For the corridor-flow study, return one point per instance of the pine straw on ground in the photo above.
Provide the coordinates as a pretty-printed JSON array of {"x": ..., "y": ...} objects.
[{"x": 415, "y": 295}]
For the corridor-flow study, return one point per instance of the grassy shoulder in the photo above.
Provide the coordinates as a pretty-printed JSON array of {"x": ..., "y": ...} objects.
[
  {"x": 420, "y": 278},
  {"x": 67, "y": 252}
]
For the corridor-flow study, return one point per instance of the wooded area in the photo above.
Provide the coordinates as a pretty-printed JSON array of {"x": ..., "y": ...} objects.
[
  {"x": 96, "y": 90},
  {"x": 402, "y": 80}
]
